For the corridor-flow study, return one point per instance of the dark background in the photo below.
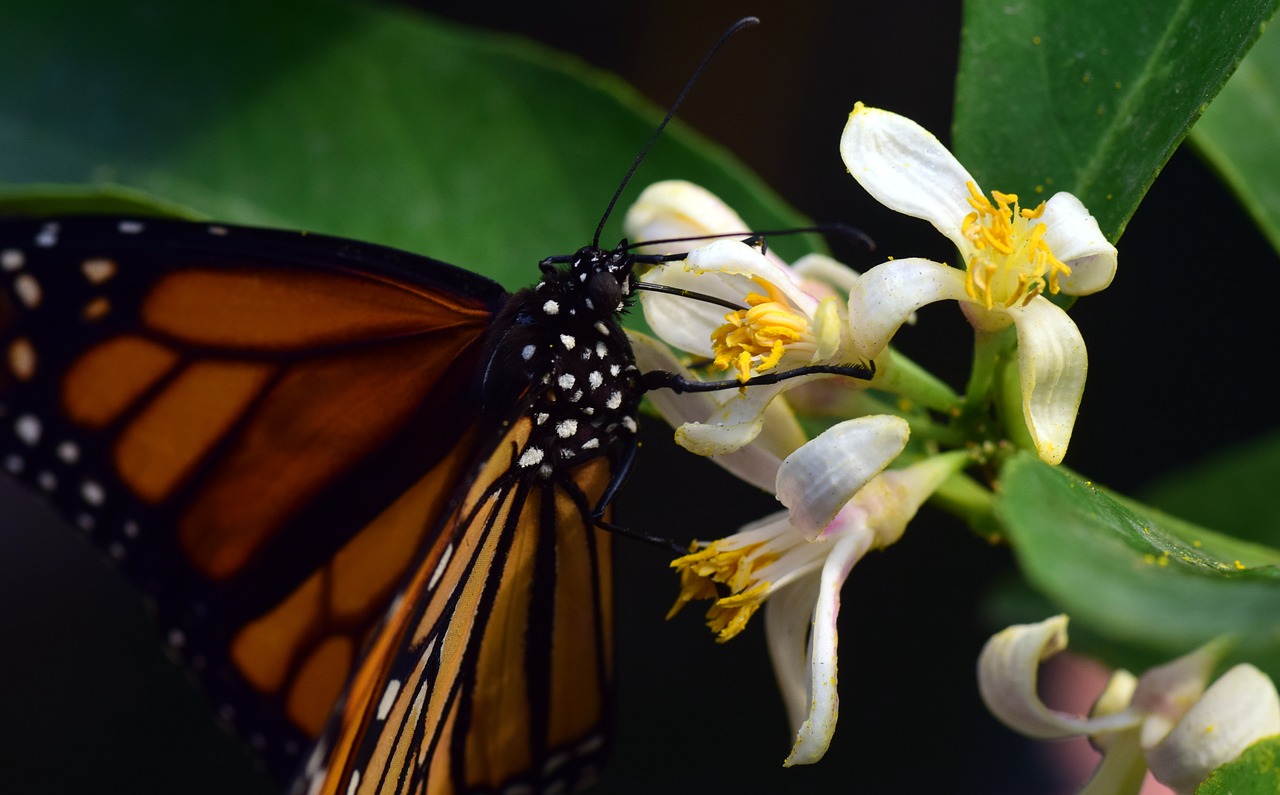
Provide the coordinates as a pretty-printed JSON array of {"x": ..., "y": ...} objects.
[{"x": 98, "y": 708}]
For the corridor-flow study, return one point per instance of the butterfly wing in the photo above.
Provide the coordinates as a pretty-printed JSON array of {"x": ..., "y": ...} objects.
[
  {"x": 494, "y": 672},
  {"x": 261, "y": 428}
]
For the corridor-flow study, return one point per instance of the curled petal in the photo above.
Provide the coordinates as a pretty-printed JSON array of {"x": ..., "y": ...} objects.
[
  {"x": 825, "y": 270},
  {"x": 788, "y": 616},
  {"x": 1239, "y": 709},
  {"x": 758, "y": 463},
  {"x": 814, "y": 735},
  {"x": 818, "y": 480},
  {"x": 906, "y": 168},
  {"x": 674, "y": 209},
  {"x": 1052, "y": 363},
  {"x": 1073, "y": 235},
  {"x": 884, "y": 297},
  {"x": 1007, "y": 671}
]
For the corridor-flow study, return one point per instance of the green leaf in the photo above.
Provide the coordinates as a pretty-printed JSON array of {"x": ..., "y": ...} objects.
[
  {"x": 487, "y": 151},
  {"x": 1234, "y": 490},
  {"x": 1238, "y": 132},
  {"x": 1093, "y": 97},
  {"x": 1134, "y": 575},
  {"x": 1254, "y": 772}
]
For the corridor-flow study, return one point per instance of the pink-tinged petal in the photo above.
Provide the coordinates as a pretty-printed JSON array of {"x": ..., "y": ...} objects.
[
  {"x": 815, "y": 732},
  {"x": 1052, "y": 363},
  {"x": 788, "y": 616},
  {"x": 1075, "y": 239},
  {"x": 1236, "y": 711},
  {"x": 906, "y": 168},
  {"x": 818, "y": 480},
  {"x": 1008, "y": 668},
  {"x": 884, "y": 297}
]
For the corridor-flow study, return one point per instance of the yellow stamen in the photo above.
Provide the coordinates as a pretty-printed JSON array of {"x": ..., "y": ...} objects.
[
  {"x": 706, "y": 572},
  {"x": 758, "y": 336},
  {"x": 1011, "y": 263}
]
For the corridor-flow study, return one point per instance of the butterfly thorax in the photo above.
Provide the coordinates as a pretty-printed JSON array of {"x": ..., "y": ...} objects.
[{"x": 559, "y": 346}]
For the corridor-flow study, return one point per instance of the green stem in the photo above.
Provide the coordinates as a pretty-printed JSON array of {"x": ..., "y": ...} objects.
[
  {"x": 904, "y": 378},
  {"x": 989, "y": 349}
]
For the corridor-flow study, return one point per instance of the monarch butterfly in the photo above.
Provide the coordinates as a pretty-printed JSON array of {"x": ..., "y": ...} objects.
[{"x": 250, "y": 424}]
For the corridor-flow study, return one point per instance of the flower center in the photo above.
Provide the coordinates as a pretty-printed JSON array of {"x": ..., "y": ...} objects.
[
  {"x": 758, "y": 336},
  {"x": 1010, "y": 263},
  {"x": 737, "y": 568}
]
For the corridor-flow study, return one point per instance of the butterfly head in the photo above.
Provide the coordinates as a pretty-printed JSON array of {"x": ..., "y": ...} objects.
[{"x": 596, "y": 285}]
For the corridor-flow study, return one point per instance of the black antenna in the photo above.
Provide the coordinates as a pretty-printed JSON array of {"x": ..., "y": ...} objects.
[{"x": 745, "y": 22}]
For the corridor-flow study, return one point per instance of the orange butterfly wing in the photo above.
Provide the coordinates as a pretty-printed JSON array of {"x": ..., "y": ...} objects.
[{"x": 260, "y": 428}]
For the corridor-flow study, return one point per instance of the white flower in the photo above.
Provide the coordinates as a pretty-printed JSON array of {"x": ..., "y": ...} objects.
[
  {"x": 782, "y": 326},
  {"x": 840, "y": 505},
  {"x": 1011, "y": 257},
  {"x": 1166, "y": 720}
]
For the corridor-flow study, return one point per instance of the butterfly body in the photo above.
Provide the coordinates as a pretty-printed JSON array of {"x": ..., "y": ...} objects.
[{"x": 361, "y": 487}]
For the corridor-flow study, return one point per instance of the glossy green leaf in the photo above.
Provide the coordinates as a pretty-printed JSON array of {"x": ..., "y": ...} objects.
[
  {"x": 1135, "y": 575},
  {"x": 1238, "y": 134},
  {"x": 1090, "y": 97},
  {"x": 1234, "y": 490},
  {"x": 487, "y": 151},
  {"x": 1255, "y": 772}
]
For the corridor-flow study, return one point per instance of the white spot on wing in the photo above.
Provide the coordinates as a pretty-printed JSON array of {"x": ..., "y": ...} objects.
[
  {"x": 602, "y": 328},
  {"x": 591, "y": 444},
  {"x": 27, "y": 428},
  {"x": 602, "y": 350},
  {"x": 98, "y": 269},
  {"x": 11, "y": 259},
  {"x": 388, "y": 699},
  {"x": 439, "y": 572},
  {"x": 131, "y": 227},
  {"x": 568, "y": 341},
  {"x": 551, "y": 308},
  {"x": 68, "y": 451},
  {"x": 47, "y": 237},
  {"x": 595, "y": 379},
  {"x": 614, "y": 401},
  {"x": 28, "y": 290},
  {"x": 354, "y": 784},
  {"x": 527, "y": 352},
  {"x": 92, "y": 492},
  {"x": 566, "y": 381}
]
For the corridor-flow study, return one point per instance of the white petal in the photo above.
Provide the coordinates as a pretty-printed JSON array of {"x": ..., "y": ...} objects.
[
  {"x": 904, "y": 167},
  {"x": 737, "y": 258},
  {"x": 787, "y": 618},
  {"x": 885, "y": 296},
  {"x": 814, "y": 735},
  {"x": 1075, "y": 239},
  {"x": 1236, "y": 711},
  {"x": 1052, "y": 363},
  {"x": 820, "y": 478},
  {"x": 723, "y": 269},
  {"x": 821, "y": 268},
  {"x": 1007, "y": 671},
  {"x": 678, "y": 209},
  {"x": 735, "y": 424}
]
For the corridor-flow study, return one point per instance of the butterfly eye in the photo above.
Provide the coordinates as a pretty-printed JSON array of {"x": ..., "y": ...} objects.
[{"x": 605, "y": 292}]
